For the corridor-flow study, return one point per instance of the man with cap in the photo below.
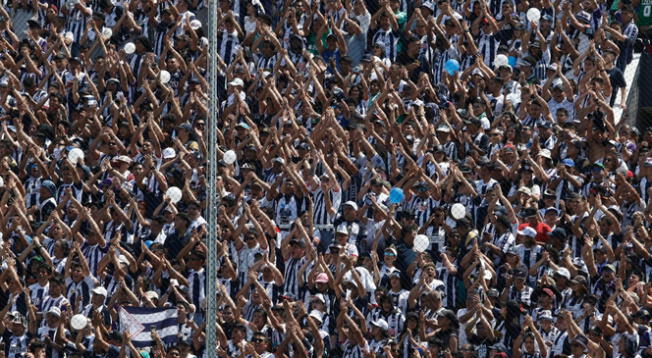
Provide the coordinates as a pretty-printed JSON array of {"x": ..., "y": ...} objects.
[
  {"x": 501, "y": 239},
  {"x": 14, "y": 335},
  {"x": 348, "y": 220},
  {"x": 529, "y": 251},
  {"x": 561, "y": 93},
  {"x": 386, "y": 36},
  {"x": 379, "y": 335},
  {"x": 326, "y": 198},
  {"x": 97, "y": 306},
  {"x": 516, "y": 288},
  {"x": 604, "y": 283},
  {"x": 396, "y": 292},
  {"x": 448, "y": 146},
  {"x": 286, "y": 203},
  {"x": 196, "y": 275},
  {"x": 47, "y": 202},
  {"x": 531, "y": 220},
  {"x": 547, "y": 327},
  {"x": 47, "y": 333},
  {"x": 422, "y": 204},
  {"x": 579, "y": 347},
  {"x": 293, "y": 251},
  {"x": 342, "y": 240}
]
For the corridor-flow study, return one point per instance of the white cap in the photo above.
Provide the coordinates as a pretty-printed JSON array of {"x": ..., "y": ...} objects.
[
  {"x": 525, "y": 190},
  {"x": 152, "y": 295},
  {"x": 55, "y": 311},
  {"x": 563, "y": 272},
  {"x": 317, "y": 315},
  {"x": 123, "y": 259},
  {"x": 169, "y": 153},
  {"x": 381, "y": 323},
  {"x": 545, "y": 153},
  {"x": 122, "y": 158},
  {"x": 352, "y": 204},
  {"x": 99, "y": 290},
  {"x": 528, "y": 231},
  {"x": 236, "y": 82},
  {"x": 342, "y": 230}
]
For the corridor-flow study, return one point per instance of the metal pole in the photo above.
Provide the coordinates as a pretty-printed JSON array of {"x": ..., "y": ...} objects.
[{"x": 211, "y": 336}]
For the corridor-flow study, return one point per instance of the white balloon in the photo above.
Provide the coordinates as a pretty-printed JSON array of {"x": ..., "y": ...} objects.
[
  {"x": 174, "y": 194},
  {"x": 229, "y": 157},
  {"x": 164, "y": 76},
  {"x": 129, "y": 48},
  {"x": 501, "y": 60},
  {"x": 107, "y": 33},
  {"x": 458, "y": 211},
  {"x": 75, "y": 154},
  {"x": 78, "y": 322},
  {"x": 420, "y": 243},
  {"x": 195, "y": 24},
  {"x": 533, "y": 15}
]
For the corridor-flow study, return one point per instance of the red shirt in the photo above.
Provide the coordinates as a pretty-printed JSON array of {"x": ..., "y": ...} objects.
[{"x": 541, "y": 228}]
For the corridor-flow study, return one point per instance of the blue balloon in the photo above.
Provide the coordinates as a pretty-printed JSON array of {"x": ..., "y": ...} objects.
[
  {"x": 149, "y": 243},
  {"x": 396, "y": 195},
  {"x": 451, "y": 66},
  {"x": 511, "y": 60}
]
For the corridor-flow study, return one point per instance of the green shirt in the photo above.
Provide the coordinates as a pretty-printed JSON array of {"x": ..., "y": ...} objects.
[{"x": 644, "y": 13}]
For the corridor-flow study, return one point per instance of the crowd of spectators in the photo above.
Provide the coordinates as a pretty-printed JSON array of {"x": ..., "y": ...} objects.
[{"x": 350, "y": 133}]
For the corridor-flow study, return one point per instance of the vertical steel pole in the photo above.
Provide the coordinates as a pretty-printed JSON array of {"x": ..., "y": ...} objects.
[{"x": 211, "y": 277}]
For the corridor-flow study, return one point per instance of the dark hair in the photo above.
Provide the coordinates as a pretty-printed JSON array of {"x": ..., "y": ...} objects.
[{"x": 36, "y": 344}]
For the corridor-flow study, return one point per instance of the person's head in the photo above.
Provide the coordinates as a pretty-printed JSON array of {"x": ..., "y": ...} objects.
[
  {"x": 379, "y": 328},
  {"x": 627, "y": 13},
  {"x": 77, "y": 271},
  {"x": 448, "y": 320},
  {"x": 18, "y": 323},
  {"x": 52, "y": 317},
  {"x": 196, "y": 259},
  {"x": 260, "y": 342},
  {"x": 99, "y": 296},
  {"x": 431, "y": 299},
  {"x": 181, "y": 222},
  {"x": 529, "y": 343},
  {"x": 298, "y": 248},
  {"x": 57, "y": 284},
  {"x": 38, "y": 349},
  {"x": 173, "y": 352},
  {"x": 578, "y": 346},
  {"x": 239, "y": 332}
]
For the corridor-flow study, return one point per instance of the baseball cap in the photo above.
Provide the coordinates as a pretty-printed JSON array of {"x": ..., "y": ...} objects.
[
  {"x": 169, "y": 153},
  {"x": 559, "y": 233},
  {"x": 381, "y": 323},
  {"x": 352, "y": 204},
  {"x": 317, "y": 315},
  {"x": 54, "y": 310},
  {"x": 545, "y": 314},
  {"x": 608, "y": 267},
  {"x": 568, "y": 162},
  {"x": 563, "y": 272},
  {"x": 101, "y": 291},
  {"x": 528, "y": 231},
  {"x": 321, "y": 278},
  {"x": 236, "y": 82},
  {"x": 49, "y": 185}
]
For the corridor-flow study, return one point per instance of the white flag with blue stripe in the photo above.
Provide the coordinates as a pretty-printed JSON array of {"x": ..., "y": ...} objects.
[{"x": 139, "y": 322}]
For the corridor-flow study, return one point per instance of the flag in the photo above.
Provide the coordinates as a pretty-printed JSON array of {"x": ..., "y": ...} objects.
[{"x": 139, "y": 322}]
